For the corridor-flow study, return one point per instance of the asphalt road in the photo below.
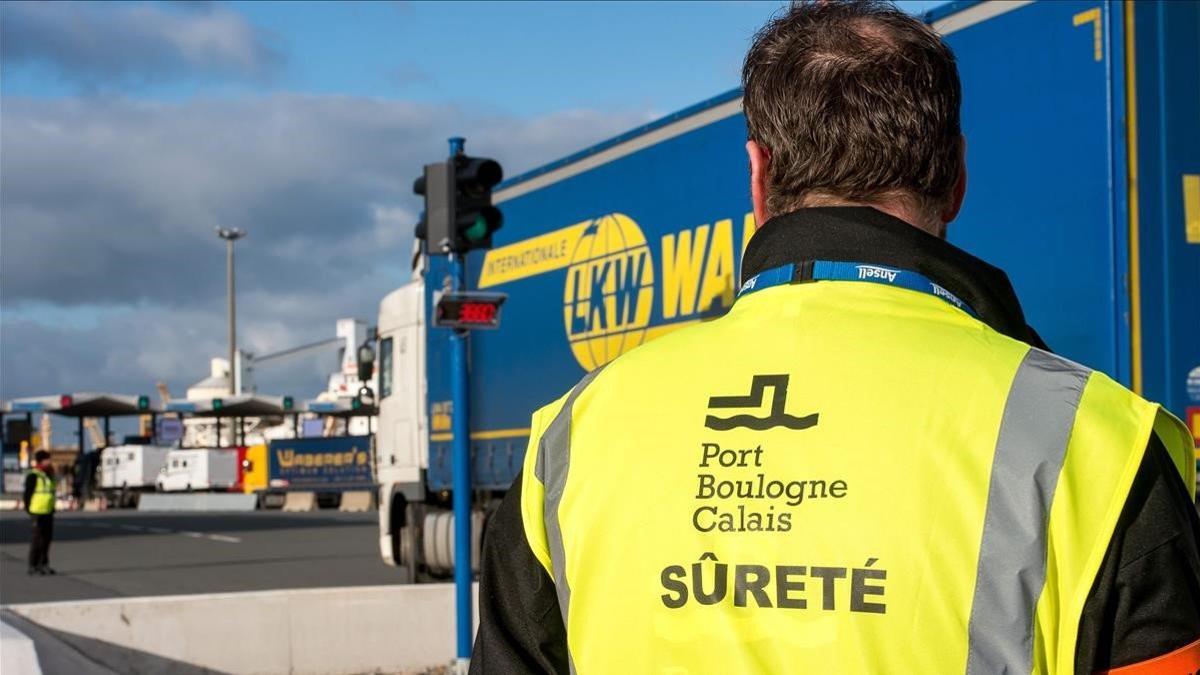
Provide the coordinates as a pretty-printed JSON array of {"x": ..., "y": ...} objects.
[{"x": 127, "y": 553}]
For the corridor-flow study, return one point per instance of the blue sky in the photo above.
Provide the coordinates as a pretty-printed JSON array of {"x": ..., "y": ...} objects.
[
  {"x": 521, "y": 58},
  {"x": 131, "y": 130}
]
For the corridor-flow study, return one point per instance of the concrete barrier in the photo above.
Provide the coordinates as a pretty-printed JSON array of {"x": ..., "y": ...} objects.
[
  {"x": 300, "y": 501},
  {"x": 197, "y": 501},
  {"x": 358, "y": 500},
  {"x": 17, "y": 653},
  {"x": 312, "y": 631}
]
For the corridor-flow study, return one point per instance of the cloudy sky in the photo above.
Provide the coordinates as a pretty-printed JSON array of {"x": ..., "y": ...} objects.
[{"x": 128, "y": 131}]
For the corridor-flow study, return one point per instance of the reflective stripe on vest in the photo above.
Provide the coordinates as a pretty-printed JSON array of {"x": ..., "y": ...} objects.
[
  {"x": 42, "y": 501},
  {"x": 1038, "y": 416},
  {"x": 553, "y": 461}
]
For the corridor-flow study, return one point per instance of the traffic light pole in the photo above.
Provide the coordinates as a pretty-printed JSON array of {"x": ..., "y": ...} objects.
[
  {"x": 461, "y": 450},
  {"x": 459, "y": 217},
  {"x": 460, "y": 429}
]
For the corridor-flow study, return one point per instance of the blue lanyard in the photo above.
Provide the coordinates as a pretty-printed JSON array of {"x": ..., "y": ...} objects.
[{"x": 829, "y": 270}]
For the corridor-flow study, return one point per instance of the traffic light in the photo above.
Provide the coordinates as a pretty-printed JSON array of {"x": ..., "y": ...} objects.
[
  {"x": 459, "y": 215},
  {"x": 288, "y": 403},
  {"x": 218, "y": 403},
  {"x": 366, "y": 362},
  {"x": 143, "y": 402}
]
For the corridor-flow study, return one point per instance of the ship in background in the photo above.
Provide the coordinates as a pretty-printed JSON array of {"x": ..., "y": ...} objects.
[{"x": 342, "y": 387}]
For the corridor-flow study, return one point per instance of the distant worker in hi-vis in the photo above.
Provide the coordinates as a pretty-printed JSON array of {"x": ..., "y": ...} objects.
[
  {"x": 39, "y": 504},
  {"x": 871, "y": 464}
]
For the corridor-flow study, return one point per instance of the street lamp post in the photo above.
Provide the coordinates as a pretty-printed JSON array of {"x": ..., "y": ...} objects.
[{"x": 230, "y": 235}]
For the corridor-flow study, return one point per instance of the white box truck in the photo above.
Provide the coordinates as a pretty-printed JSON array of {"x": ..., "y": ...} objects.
[
  {"x": 128, "y": 470},
  {"x": 199, "y": 469}
]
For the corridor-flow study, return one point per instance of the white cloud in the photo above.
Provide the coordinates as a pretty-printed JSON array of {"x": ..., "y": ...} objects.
[
  {"x": 113, "y": 277},
  {"x": 102, "y": 45}
]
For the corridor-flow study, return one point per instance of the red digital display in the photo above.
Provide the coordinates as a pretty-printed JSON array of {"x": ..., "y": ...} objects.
[
  {"x": 469, "y": 310},
  {"x": 477, "y": 312}
]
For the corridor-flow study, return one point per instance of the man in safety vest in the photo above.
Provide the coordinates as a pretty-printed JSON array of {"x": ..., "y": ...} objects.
[
  {"x": 864, "y": 467},
  {"x": 39, "y": 504}
]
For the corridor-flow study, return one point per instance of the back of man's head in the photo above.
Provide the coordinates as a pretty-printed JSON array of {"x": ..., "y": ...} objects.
[
  {"x": 41, "y": 456},
  {"x": 855, "y": 102}
]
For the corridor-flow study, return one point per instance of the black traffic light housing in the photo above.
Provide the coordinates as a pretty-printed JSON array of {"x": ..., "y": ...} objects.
[
  {"x": 459, "y": 215},
  {"x": 366, "y": 362}
]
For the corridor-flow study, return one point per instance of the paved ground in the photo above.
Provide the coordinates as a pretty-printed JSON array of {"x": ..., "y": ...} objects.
[{"x": 126, "y": 553}]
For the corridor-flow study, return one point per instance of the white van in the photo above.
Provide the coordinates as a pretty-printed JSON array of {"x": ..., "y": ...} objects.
[
  {"x": 199, "y": 469},
  {"x": 126, "y": 470}
]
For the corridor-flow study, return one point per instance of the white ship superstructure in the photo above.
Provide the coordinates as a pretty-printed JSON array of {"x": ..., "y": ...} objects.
[{"x": 342, "y": 385}]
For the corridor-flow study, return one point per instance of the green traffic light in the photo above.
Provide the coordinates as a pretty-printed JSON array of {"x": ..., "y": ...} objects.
[{"x": 478, "y": 229}]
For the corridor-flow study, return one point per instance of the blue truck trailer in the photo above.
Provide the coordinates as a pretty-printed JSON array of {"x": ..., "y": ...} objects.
[{"x": 1082, "y": 120}]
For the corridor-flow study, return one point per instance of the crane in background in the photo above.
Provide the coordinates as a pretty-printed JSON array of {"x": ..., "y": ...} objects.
[
  {"x": 248, "y": 362},
  {"x": 146, "y": 422},
  {"x": 98, "y": 439},
  {"x": 45, "y": 431}
]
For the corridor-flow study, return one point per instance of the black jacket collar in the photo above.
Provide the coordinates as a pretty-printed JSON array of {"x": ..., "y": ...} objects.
[{"x": 863, "y": 234}]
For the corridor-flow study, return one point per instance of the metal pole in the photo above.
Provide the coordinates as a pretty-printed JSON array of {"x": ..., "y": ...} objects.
[
  {"x": 460, "y": 428},
  {"x": 461, "y": 453},
  {"x": 232, "y": 312},
  {"x": 106, "y": 431},
  {"x": 230, "y": 235}
]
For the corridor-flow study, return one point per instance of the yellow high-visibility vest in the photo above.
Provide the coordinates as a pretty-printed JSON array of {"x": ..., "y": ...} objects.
[
  {"x": 833, "y": 477},
  {"x": 42, "y": 501}
]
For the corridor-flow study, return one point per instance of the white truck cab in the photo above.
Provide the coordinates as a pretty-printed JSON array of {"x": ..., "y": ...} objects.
[{"x": 402, "y": 436}]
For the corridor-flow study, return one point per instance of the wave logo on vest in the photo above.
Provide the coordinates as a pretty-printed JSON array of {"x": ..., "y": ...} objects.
[
  {"x": 758, "y": 388},
  {"x": 609, "y": 292}
]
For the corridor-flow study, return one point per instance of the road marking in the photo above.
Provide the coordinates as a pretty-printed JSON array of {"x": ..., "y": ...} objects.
[{"x": 161, "y": 530}]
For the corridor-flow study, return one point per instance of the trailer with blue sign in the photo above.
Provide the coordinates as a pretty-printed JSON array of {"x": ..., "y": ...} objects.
[
  {"x": 322, "y": 464},
  {"x": 1083, "y": 150}
]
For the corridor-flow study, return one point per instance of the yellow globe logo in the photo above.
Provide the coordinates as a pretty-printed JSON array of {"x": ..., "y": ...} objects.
[{"x": 609, "y": 292}]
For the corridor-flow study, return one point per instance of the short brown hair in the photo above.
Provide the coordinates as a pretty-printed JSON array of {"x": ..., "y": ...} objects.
[{"x": 854, "y": 100}]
